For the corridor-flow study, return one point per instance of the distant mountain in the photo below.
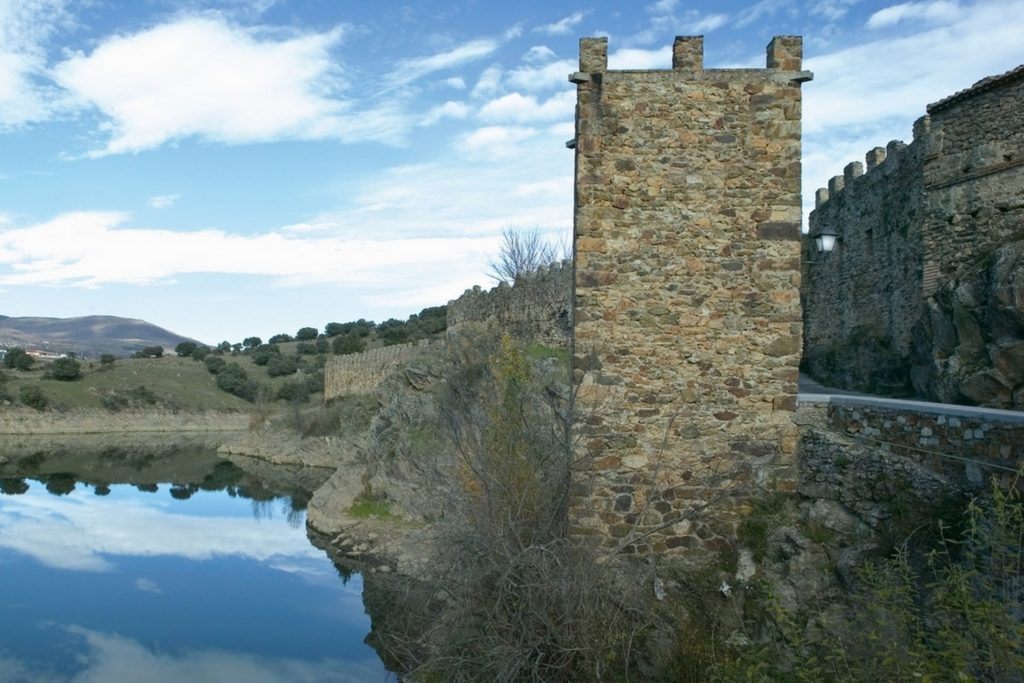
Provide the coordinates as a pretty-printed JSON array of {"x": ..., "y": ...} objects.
[{"x": 88, "y": 336}]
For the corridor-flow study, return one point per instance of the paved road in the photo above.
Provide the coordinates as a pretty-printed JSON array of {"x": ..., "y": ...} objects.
[{"x": 806, "y": 385}]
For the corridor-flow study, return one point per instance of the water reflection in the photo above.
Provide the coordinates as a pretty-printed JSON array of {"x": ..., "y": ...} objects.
[{"x": 204, "y": 578}]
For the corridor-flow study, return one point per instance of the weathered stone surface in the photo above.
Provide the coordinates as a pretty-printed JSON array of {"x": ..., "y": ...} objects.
[
  {"x": 687, "y": 289},
  {"x": 926, "y": 284},
  {"x": 986, "y": 387}
]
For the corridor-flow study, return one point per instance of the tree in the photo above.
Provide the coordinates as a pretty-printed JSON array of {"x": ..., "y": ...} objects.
[
  {"x": 280, "y": 339},
  {"x": 306, "y": 334},
  {"x": 185, "y": 348},
  {"x": 349, "y": 343},
  {"x": 201, "y": 353},
  {"x": 65, "y": 369},
  {"x": 521, "y": 253},
  {"x": 393, "y": 331},
  {"x": 250, "y": 343},
  {"x": 231, "y": 377},
  {"x": 214, "y": 364},
  {"x": 150, "y": 352},
  {"x": 13, "y": 486},
  {"x": 279, "y": 366},
  {"x": 264, "y": 352},
  {"x": 107, "y": 360},
  {"x": 18, "y": 359},
  {"x": 333, "y": 329}
]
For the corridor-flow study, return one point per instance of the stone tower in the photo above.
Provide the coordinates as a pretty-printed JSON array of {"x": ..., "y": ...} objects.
[{"x": 687, "y": 330}]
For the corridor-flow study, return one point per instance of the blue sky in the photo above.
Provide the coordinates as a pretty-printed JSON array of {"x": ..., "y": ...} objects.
[{"x": 244, "y": 167}]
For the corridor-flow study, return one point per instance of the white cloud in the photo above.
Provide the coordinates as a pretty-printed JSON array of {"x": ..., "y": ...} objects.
[
  {"x": 411, "y": 69},
  {"x": 495, "y": 142},
  {"x": 24, "y": 27},
  {"x": 164, "y": 201},
  {"x": 199, "y": 76},
  {"x": 90, "y": 249},
  {"x": 551, "y": 75},
  {"x": 937, "y": 12},
  {"x": 147, "y": 586},
  {"x": 488, "y": 83},
  {"x": 849, "y": 108},
  {"x": 636, "y": 58},
  {"x": 766, "y": 8},
  {"x": 662, "y": 6},
  {"x": 832, "y": 10},
  {"x": 455, "y": 82},
  {"x": 460, "y": 198},
  {"x": 707, "y": 24},
  {"x": 562, "y": 26},
  {"x": 518, "y": 108},
  {"x": 448, "y": 110},
  {"x": 539, "y": 53}
]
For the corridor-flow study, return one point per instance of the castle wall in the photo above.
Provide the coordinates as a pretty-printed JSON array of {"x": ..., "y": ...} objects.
[
  {"x": 537, "y": 308},
  {"x": 862, "y": 300},
  {"x": 687, "y": 329},
  {"x": 361, "y": 373},
  {"x": 922, "y": 294},
  {"x": 974, "y": 176}
]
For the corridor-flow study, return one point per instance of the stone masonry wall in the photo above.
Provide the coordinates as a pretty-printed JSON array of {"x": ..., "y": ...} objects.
[
  {"x": 924, "y": 293},
  {"x": 965, "y": 447},
  {"x": 861, "y": 301},
  {"x": 687, "y": 330},
  {"x": 360, "y": 373},
  {"x": 537, "y": 308}
]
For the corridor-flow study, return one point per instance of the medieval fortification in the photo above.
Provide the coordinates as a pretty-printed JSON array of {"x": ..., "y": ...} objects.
[
  {"x": 687, "y": 322},
  {"x": 682, "y": 305},
  {"x": 924, "y": 292}
]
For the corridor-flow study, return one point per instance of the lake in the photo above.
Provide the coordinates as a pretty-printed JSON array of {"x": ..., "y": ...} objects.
[{"x": 204, "y": 576}]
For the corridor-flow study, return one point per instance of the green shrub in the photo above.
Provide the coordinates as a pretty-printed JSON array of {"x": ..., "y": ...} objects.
[
  {"x": 214, "y": 364},
  {"x": 348, "y": 343},
  {"x": 65, "y": 369},
  {"x": 293, "y": 392},
  {"x": 32, "y": 396},
  {"x": 280, "y": 366}
]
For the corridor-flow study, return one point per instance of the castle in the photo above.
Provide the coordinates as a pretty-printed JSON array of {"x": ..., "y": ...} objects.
[
  {"x": 924, "y": 292},
  {"x": 682, "y": 304}
]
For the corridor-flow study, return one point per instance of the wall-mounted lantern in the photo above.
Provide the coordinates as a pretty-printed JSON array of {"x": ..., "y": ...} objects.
[{"x": 825, "y": 240}]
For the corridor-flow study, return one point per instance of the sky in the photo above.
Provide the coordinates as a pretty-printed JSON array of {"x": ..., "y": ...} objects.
[{"x": 249, "y": 167}]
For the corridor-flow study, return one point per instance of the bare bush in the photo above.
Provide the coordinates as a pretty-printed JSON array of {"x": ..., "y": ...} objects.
[
  {"x": 510, "y": 597},
  {"x": 522, "y": 252}
]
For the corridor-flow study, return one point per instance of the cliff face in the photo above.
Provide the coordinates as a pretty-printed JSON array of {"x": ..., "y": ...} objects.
[{"x": 968, "y": 345}]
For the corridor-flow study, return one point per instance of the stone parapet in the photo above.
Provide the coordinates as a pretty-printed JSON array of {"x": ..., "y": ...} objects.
[{"x": 968, "y": 447}]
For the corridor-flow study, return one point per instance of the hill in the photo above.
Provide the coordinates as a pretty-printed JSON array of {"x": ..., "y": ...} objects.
[{"x": 88, "y": 336}]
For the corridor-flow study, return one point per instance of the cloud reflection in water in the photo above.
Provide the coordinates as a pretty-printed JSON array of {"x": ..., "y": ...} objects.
[{"x": 81, "y": 531}]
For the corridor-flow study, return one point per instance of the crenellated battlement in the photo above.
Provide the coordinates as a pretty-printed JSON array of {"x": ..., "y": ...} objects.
[
  {"x": 879, "y": 160},
  {"x": 783, "y": 62}
]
